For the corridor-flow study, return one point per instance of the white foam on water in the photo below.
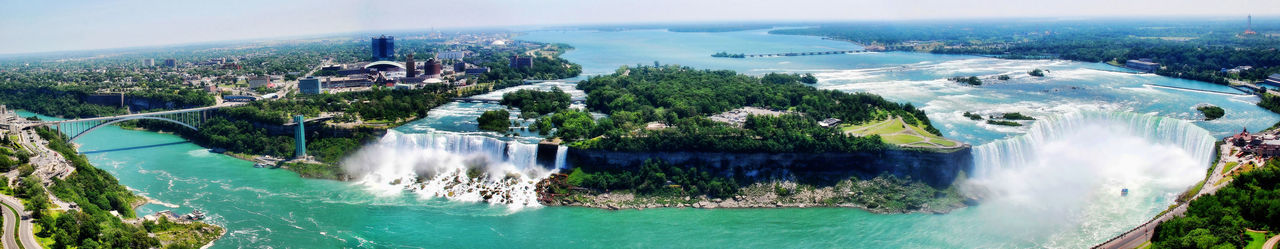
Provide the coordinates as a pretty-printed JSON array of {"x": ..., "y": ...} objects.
[
  {"x": 457, "y": 167},
  {"x": 1066, "y": 173}
]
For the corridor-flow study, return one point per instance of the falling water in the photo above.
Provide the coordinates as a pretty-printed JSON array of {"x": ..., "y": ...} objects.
[
  {"x": 1022, "y": 150},
  {"x": 1066, "y": 173},
  {"x": 454, "y": 166}
]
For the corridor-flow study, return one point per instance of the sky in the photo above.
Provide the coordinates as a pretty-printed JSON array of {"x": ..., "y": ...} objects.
[{"x": 65, "y": 25}]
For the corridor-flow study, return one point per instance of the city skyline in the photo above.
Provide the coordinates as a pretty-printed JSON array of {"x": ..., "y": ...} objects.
[{"x": 87, "y": 25}]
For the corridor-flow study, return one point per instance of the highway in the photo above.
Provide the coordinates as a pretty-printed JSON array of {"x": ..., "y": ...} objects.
[{"x": 27, "y": 238}]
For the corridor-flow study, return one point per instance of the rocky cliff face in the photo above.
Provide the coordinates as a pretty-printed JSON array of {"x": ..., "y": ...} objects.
[{"x": 938, "y": 169}]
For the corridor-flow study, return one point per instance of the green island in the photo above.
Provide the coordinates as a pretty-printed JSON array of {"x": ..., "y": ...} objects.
[
  {"x": 680, "y": 109},
  {"x": 1003, "y": 122},
  {"x": 495, "y": 120},
  {"x": 972, "y": 116},
  {"x": 1036, "y": 72},
  {"x": 728, "y": 55},
  {"x": 533, "y": 103},
  {"x": 971, "y": 80},
  {"x": 1211, "y": 112}
]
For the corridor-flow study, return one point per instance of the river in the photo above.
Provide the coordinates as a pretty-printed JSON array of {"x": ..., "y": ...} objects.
[{"x": 1052, "y": 197}]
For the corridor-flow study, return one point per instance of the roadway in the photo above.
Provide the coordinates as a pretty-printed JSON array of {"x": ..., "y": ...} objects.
[{"x": 26, "y": 237}]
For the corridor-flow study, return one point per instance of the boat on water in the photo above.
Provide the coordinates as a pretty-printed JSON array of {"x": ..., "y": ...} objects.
[
  {"x": 260, "y": 165},
  {"x": 196, "y": 215},
  {"x": 1124, "y": 192}
]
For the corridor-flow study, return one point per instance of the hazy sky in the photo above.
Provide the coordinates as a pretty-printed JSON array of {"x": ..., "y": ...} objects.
[{"x": 37, "y": 26}]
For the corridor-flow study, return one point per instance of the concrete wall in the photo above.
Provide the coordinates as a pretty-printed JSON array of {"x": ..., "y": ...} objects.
[{"x": 935, "y": 168}]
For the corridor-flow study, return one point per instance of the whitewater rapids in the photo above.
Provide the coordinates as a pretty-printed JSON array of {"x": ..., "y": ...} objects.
[{"x": 457, "y": 167}]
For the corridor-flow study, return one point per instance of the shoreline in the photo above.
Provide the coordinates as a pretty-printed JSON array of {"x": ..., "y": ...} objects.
[
  {"x": 880, "y": 195},
  {"x": 738, "y": 202}
]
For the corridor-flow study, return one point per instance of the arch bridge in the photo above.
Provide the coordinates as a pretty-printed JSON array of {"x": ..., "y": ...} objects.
[{"x": 75, "y": 128}]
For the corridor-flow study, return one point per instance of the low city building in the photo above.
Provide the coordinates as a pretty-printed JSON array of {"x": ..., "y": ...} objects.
[
  {"x": 260, "y": 81},
  {"x": 451, "y": 55},
  {"x": 1273, "y": 80},
  {"x": 1143, "y": 64},
  {"x": 359, "y": 80},
  {"x": 829, "y": 122},
  {"x": 1237, "y": 70},
  {"x": 1263, "y": 144},
  {"x": 521, "y": 62},
  {"x": 477, "y": 71}
]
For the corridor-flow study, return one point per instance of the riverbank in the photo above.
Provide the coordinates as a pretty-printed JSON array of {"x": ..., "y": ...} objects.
[{"x": 883, "y": 194}]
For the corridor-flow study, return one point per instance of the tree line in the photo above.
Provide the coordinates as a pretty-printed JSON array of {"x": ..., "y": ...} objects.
[{"x": 682, "y": 99}]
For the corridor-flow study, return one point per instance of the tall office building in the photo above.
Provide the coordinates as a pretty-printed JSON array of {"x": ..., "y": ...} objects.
[
  {"x": 149, "y": 62},
  {"x": 170, "y": 63},
  {"x": 410, "y": 68},
  {"x": 384, "y": 48},
  {"x": 309, "y": 85}
]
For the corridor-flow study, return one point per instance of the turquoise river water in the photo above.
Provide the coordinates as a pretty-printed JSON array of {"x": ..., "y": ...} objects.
[{"x": 1041, "y": 192}]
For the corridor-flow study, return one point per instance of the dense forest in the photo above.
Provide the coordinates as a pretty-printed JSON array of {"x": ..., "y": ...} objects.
[
  {"x": 534, "y": 103},
  {"x": 495, "y": 120},
  {"x": 1219, "y": 220},
  {"x": 682, "y": 98},
  {"x": 98, "y": 194}
]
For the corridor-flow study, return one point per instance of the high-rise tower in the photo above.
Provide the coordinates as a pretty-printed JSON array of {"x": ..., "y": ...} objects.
[
  {"x": 384, "y": 48},
  {"x": 299, "y": 137},
  {"x": 410, "y": 69},
  {"x": 1248, "y": 30}
]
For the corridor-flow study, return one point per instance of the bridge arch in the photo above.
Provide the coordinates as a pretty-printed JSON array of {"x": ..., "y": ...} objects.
[{"x": 95, "y": 127}]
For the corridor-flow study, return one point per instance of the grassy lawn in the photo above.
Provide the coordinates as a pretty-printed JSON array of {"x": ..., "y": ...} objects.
[
  {"x": 901, "y": 139},
  {"x": 1185, "y": 196},
  {"x": 1255, "y": 240},
  {"x": 943, "y": 142},
  {"x": 895, "y": 131}
]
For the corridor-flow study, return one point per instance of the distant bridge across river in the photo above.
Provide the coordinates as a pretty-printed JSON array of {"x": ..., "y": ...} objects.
[
  {"x": 495, "y": 101},
  {"x": 805, "y": 53}
]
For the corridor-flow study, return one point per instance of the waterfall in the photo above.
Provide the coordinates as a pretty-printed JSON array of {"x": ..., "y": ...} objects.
[
  {"x": 561, "y": 152},
  {"x": 1022, "y": 150},
  {"x": 461, "y": 167},
  {"x": 1066, "y": 174}
]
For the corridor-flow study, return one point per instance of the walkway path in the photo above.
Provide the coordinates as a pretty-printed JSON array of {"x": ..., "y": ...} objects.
[
  {"x": 26, "y": 237},
  {"x": 1271, "y": 243}
]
